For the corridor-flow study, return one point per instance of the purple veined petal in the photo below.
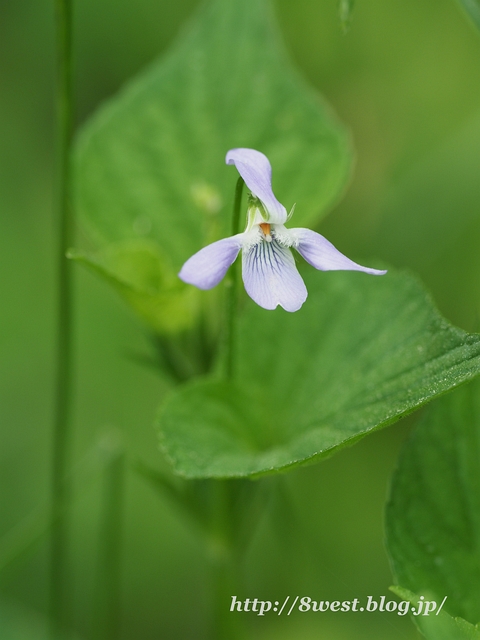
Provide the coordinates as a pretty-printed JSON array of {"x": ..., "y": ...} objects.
[
  {"x": 208, "y": 266},
  {"x": 255, "y": 169},
  {"x": 321, "y": 253},
  {"x": 271, "y": 277}
]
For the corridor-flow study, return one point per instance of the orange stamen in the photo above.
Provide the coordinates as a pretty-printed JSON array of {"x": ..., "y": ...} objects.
[{"x": 265, "y": 227}]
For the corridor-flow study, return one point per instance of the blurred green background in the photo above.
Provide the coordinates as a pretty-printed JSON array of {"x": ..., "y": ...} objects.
[{"x": 406, "y": 81}]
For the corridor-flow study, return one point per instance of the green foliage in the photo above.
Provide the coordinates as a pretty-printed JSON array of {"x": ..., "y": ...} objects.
[
  {"x": 439, "y": 626},
  {"x": 138, "y": 271},
  {"x": 150, "y": 165},
  {"x": 345, "y": 11},
  {"x": 229, "y": 509},
  {"x": 361, "y": 353},
  {"x": 433, "y": 517},
  {"x": 472, "y": 7}
]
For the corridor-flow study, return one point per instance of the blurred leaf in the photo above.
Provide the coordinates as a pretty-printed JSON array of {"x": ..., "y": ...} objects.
[
  {"x": 19, "y": 543},
  {"x": 180, "y": 492},
  {"x": 238, "y": 504},
  {"x": 433, "y": 516},
  {"x": 21, "y": 623},
  {"x": 435, "y": 200},
  {"x": 439, "y": 626},
  {"x": 430, "y": 220},
  {"x": 472, "y": 7},
  {"x": 137, "y": 270},
  {"x": 18, "y": 622},
  {"x": 361, "y": 353},
  {"x": 151, "y": 162},
  {"x": 345, "y": 11}
]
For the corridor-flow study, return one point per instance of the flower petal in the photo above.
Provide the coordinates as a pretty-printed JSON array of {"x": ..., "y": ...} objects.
[
  {"x": 321, "y": 253},
  {"x": 255, "y": 169},
  {"x": 208, "y": 266},
  {"x": 271, "y": 277}
]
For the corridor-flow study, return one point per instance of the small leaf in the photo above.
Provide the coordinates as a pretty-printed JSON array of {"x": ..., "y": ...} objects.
[
  {"x": 151, "y": 163},
  {"x": 361, "y": 353},
  {"x": 345, "y": 11},
  {"x": 138, "y": 271},
  {"x": 433, "y": 516},
  {"x": 472, "y": 7},
  {"x": 438, "y": 626}
]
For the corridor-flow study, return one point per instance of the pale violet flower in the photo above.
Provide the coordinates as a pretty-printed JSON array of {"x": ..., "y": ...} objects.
[{"x": 268, "y": 266}]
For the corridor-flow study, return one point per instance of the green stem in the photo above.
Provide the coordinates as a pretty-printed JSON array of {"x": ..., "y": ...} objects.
[
  {"x": 232, "y": 290},
  {"x": 226, "y": 625},
  {"x": 225, "y": 566},
  {"x": 107, "y": 599},
  {"x": 61, "y": 435}
]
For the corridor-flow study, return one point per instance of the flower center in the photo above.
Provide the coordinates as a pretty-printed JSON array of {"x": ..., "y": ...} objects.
[{"x": 265, "y": 227}]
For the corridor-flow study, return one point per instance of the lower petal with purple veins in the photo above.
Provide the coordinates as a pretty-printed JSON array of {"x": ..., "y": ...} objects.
[{"x": 271, "y": 277}]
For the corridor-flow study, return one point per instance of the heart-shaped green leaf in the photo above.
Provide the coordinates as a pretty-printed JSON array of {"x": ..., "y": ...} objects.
[
  {"x": 433, "y": 517},
  {"x": 361, "y": 353},
  {"x": 151, "y": 163}
]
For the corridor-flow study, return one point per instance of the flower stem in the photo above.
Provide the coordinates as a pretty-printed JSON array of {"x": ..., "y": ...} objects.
[
  {"x": 108, "y": 585},
  {"x": 224, "y": 561},
  {"x": 232, "y": 289},
  {"x": 61, "y": 435}
]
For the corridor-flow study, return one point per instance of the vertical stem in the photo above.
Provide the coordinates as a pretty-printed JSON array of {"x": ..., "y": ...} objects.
[
  {"x": 224, "y": 562},
  {"x": 232, "y": 290},
  {"x": 226, "y": 625},
  {"x": 60, "y": 485},
  {"x": 107, "y": 597}
]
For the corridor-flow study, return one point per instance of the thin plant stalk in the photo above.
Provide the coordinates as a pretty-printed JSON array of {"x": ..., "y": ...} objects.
[
  {"x": 232, "y": 290},
  {"x": 222, "y": 555},
  {"x": 108, "y": 584},
  {"x": 59, "y": 591},
  {"x": 224, "y": 561}
]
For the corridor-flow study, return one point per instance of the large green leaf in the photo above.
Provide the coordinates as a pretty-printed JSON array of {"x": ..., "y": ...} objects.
[
  {"x": 433, "y": 517},
  {"x": 361, "y": 353},
  {"x": 151, "y": 163}
]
